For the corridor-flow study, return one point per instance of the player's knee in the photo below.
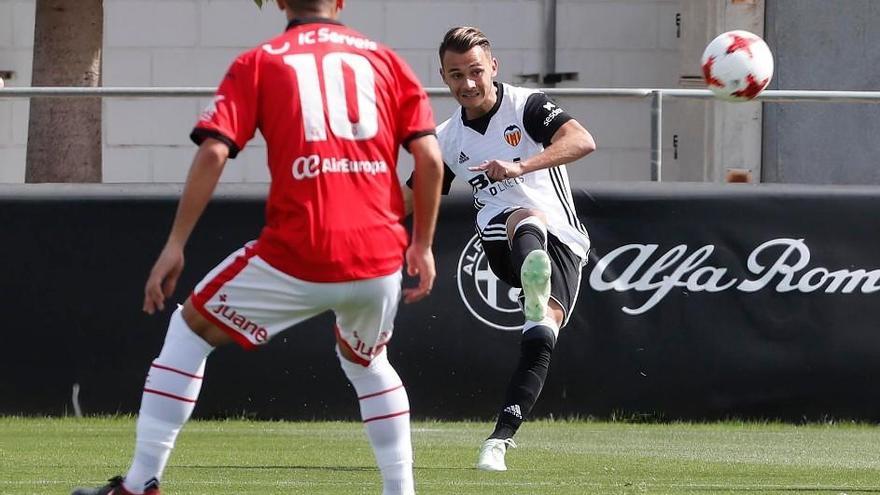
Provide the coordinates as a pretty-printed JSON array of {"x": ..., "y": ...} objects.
[
  {"x": 180, "y": 328},
  {"x": 355, "y": 369},
  {"x": 531, "y": 226},
  {"x": 540, "y": 336},
  {"x": 200, "y": 326},
  {"x": 180, "y": 339},
  {"x": 523, "y": 214}
]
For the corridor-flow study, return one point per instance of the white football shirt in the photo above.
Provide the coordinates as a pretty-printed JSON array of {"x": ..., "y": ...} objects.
[{"x": 518, "y": 126}]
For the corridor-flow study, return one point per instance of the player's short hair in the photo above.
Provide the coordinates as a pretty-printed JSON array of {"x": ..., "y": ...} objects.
[
  {"x": 307, "y": 5},
  {"x": 463, "y": 38}
]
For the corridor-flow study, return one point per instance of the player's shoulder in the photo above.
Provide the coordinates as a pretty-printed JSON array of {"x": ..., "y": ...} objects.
[
  {"x": 249, "y": 56},
  {"x": 445, "y": 127},
  {"x": 519, "y": 93},
  {"x": 450, "y": 128},
  {"x": 447, "y": 134},
  {"x": 276, "y": 45}
]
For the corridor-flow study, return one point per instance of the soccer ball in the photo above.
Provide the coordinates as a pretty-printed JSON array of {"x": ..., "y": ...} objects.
[{"x": 737, "y": 65}]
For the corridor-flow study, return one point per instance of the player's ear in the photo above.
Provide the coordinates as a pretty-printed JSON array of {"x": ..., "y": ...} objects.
[
  {"x": 494, "y": 66},
  {"x": 281, "y": 4},
  {"x": 340, "y": 4}
]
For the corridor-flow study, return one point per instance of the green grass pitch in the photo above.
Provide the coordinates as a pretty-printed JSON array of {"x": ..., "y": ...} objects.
[{"x": 49, "y": 456}]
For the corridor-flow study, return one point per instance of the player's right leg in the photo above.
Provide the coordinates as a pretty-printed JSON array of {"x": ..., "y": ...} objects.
[{"x": 364, "y": 327}]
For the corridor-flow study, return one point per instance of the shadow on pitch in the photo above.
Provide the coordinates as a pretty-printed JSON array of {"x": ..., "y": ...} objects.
[
  {"x": 282, "y": 468},
  {"x": 787, "y": 489},
  {"x": 352, "y": 469}
]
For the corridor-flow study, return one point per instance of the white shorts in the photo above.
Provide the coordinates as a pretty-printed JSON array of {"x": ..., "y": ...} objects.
[{"x": 253, "y": 302}]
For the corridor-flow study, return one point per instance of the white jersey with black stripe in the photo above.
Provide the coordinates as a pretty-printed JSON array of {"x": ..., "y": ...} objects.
[{"x": 505, "y": 138}]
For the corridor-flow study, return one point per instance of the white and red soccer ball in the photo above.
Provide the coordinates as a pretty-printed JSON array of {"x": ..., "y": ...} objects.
[{"x": 737, "y": 65}]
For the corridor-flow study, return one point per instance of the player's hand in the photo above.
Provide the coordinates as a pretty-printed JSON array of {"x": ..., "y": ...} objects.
[
  {"x": 498, "y": 169},
  {"x": 419, "y": 261},
  {"x": 163, "y": 278}
]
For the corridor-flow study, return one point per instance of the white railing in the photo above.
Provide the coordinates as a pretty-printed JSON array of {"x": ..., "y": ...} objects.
[{"x": 656, "y": 96}]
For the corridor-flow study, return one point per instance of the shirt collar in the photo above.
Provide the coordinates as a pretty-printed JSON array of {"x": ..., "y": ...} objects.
[
  {"x": 299, "y": 21},
  {"x": 481, "y": 123}
]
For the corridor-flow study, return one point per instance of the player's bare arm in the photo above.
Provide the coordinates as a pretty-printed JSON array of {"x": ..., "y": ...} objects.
[
  {"x": 407, "y": 199},
  {"x": 570, "y": 142},
  {"x": 203, "y": 176},
  {"x": 425, "y": 204}
]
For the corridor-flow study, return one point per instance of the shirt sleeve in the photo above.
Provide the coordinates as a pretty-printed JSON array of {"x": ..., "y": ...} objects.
[
  {"x": 448, "y": 177},
  {"x": 415, "y": 118},
  {"x": 232, "y": 116},
  {"x": 542, "y": 117}
]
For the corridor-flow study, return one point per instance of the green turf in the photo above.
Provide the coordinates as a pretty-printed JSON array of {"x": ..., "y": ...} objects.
[{"x": 49, "y": 456}]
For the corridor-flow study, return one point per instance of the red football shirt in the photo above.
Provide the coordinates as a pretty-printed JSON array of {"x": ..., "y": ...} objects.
[{"x": 334, "y": 107}]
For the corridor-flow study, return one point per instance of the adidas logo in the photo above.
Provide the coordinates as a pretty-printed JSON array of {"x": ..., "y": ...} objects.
[
  {"x": 462, "y": 158},
  {"x": 513, "y": 410}
]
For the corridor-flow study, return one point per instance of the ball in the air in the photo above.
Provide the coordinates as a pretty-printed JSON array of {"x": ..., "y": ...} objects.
[{"x": 737, "y": 65}]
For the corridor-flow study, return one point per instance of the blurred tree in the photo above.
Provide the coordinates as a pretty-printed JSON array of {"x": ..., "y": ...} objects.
[{"x": 64, "y": 134}]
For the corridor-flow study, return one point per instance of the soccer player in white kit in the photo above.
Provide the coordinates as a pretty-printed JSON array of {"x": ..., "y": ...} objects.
[
  {"x": 511, "y": 145},
  {"x": 334, "y": 107}
]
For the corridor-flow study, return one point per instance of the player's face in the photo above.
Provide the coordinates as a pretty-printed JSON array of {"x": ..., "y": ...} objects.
[{"x": 469, "y": 77}]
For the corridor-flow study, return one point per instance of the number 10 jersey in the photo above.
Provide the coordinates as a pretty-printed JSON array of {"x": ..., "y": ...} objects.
[{"x": 334, "y": 107}]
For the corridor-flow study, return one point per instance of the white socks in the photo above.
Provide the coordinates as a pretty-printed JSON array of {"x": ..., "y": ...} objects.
[
  {"x": 175, "y": 379},
  {"x": 385, "y": 412},
  {"x": 547, "y": 321},
  {"x": 170, "y": 394}
]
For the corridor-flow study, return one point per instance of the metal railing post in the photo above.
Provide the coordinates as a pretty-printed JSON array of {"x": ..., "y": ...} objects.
[{"x": 656, "y": 136}]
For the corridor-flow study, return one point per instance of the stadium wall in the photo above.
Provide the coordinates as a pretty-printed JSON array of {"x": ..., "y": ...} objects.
[
  {"x": 827, "y": 46},
  {"x": 698, "y": 302},
  {"x": 624, "y": 43}
]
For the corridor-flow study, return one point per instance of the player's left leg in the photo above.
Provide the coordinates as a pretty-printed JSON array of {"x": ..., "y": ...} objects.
[
  {"x": 526, "y": 383},
  {"x": 243, "y": 299},
  {"x": 364, "y": 327},
  {"x": 170, "y": 394}
]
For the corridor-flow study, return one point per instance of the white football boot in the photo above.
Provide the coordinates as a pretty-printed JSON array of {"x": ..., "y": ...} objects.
[
  {"x": 535, "y": 278},
  {"x": 492, "y": 454}
]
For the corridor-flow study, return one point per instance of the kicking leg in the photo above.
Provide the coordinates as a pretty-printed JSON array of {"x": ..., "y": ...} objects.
[{"x": 528, "y": 256}]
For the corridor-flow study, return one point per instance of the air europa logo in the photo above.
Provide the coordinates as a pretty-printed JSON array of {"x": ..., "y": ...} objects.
[
  {"x": 778, "y": 264},
  {"x": 311, "y": 166},
  {"x": 490, "y": 300}
]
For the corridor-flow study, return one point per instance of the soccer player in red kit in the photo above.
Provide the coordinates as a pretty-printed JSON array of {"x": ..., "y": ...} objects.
[{"x": 334, "y": 107}]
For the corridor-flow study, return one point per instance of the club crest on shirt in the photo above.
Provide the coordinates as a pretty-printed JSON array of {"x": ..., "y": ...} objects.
[{"x": 513, "y": 135}]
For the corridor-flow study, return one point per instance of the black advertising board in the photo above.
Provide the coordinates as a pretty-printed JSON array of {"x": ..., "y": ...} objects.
[{"x": 699, "y": 302}]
